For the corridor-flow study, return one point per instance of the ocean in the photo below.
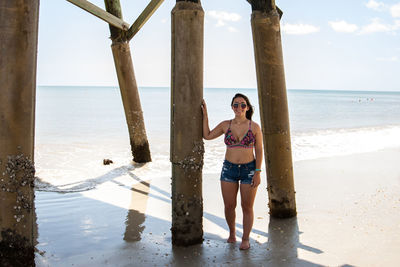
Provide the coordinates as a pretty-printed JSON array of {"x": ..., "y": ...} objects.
[{"x": 77, "y": 127}]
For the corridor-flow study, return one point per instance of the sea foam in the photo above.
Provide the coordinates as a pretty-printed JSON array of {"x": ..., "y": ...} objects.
[{"x": 78, "y": 167}]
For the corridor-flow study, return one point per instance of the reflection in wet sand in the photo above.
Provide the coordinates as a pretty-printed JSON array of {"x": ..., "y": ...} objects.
[
  {"x": 283, "y": 243},
  {"x": 97, "y": 227},
  {"x": 136, "y": 213}
]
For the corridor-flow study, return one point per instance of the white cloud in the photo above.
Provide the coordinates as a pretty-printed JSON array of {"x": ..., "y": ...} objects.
[
  {"x": 343, "y": 26},
  {"x": 377, "y": 26},
  {"x": 299, "y": 29},
  {"x": 395, "y": 10},
  {"x": 396, "y": 25},
  {"x": 390, "y": 59},
  {"x": 375, "y": 5},
  {"x": 220, "y": 23},
  {"x": 232, "y": 29},
  {"x": 222, "y": 17}
]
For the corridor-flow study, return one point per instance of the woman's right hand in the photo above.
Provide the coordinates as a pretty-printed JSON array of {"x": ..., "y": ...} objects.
[{"x": 204, "y": 107}]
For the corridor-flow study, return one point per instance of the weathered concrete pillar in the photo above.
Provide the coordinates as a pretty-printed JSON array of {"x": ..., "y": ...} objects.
[
  {"x": 131, "y": 101},
  {"x": 186, "y": 123},
  {"x": 18, "y": 54},
  {"x": 128, "y": 87},
  {"x": 273, "y": 110}
]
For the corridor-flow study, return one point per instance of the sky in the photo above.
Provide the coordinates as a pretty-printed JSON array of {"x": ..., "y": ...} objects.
[{"x": 327, "y": 45}]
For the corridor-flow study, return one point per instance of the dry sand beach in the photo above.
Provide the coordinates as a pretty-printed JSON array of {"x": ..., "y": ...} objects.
[{"x": 348, "y": 215}]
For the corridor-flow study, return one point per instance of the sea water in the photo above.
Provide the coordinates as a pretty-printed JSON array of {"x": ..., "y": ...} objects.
[{"x": 78, "y": 127}]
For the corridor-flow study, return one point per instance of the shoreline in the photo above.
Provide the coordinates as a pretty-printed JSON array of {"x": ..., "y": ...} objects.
[{"x": 348, "y": 215}]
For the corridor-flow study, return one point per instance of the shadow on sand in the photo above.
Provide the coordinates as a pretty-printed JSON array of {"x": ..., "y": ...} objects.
[{"x": 74, "y": 229}]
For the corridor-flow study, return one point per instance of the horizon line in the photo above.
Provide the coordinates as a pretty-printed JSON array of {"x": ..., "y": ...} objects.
[{"x": 239, "y": 88}]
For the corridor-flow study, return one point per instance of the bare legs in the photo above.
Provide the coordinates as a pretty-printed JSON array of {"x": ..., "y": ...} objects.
[
  {"x": 229, "y": 194},
  {"x": 247, "y": 194}
]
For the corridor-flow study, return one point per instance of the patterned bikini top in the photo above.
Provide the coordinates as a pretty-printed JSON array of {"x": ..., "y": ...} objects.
[{"x": 248, "y": 140}]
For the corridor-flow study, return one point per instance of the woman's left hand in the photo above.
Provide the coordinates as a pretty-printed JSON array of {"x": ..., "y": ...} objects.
[{"x": 256, "y": 179}]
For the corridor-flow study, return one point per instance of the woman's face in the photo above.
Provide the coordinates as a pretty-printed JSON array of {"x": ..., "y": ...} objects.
[{"x": 239, "y": 106}]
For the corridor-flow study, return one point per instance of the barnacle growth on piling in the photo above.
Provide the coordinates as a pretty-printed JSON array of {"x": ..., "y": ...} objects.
[
  {"x": 17, "y": 179},
  {"x": 194, "y": 161},
  {"x": 18, "y": 175}
]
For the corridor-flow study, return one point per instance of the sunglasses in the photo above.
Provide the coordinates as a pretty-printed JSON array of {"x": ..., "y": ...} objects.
[{"x": 242, "y": 105}]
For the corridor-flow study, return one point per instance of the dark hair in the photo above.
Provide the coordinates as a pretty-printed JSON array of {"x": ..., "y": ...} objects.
[{"x": 250, "y": 112}]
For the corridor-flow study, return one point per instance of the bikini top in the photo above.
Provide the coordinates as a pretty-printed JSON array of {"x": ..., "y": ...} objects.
[{"x": 248, "y": 140}]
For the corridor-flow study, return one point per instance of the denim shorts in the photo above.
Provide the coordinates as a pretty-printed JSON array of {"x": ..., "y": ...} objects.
[{"x": 234, "y": 173}]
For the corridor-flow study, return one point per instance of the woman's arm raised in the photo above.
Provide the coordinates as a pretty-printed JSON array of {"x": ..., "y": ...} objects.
[{"x": 207, "y": 134}]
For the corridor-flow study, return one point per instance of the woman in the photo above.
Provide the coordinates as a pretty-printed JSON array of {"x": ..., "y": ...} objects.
[{"x": 242, "y": 163}]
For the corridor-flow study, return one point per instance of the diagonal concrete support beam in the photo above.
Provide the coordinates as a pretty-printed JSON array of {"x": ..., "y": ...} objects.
[
  {"x": 101, "y": 14},
  {"x": 128, "y": 87},
  {"x": 143, "y": 17}
]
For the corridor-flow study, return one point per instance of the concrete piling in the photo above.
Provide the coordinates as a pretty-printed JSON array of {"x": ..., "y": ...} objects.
[
  {"x": 274, "y": 111},
  {"x": 187, "y": 148},
  {"x": 128, "y": 87},
  {"x": 18, "y": 56}
]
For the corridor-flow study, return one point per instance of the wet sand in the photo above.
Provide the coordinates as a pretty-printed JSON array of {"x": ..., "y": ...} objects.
[{"x": 348, "y": 215}]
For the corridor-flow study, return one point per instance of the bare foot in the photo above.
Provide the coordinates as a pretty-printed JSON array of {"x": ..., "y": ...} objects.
[
  {"x": 231, "y": 239},
  {"x": 245, "y": 244}
]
